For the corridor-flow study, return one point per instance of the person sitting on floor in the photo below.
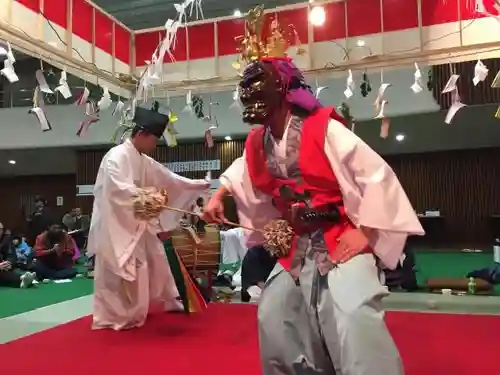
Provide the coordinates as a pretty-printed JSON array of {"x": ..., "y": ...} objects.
[
  {"x": 23, "y": 252},
  {"x": 54, "y": 250},
  {"x": 257, "y": 266},
  {"x": 8, "y": 276}
]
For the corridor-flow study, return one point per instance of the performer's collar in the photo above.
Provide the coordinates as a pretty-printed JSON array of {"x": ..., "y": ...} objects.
[{"x": 129, "y": 143}]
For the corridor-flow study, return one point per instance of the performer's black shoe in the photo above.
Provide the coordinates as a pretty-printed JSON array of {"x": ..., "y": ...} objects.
[
  {"x": 245, "y": 296},
  {"x": 223, "y": 280}
]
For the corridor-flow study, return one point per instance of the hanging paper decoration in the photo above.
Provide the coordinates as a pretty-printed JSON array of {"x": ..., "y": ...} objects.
[
  {"x": 456, "y": 104},
  {"x": 118, "y": 108},
  {"x": 300, "y": 50},
  {"x": 349, "y": 90},
  {"x": 125, "y": 125},
  {"x": 105, "y": 101},
  {"x": 417, "y": 86},
  {"x": 189, "y": 103},
  {"x": 384, "y": 128},
  {"x": 8, "y": 70},
  {"x": 209, "y": 140},
  {"x": 236, "y": 100},
  {"x": 63, "y": 87},
  {"x": 319, "y": 89},
  {"x": 480, "y": 73},
  {"x": 198, "y": 106},
  {"x": 365, "y": 86},
  {"x": 42, "y": 82},
  {"x": 82, "y": 99},
  {"x": 39, "y": 111},
  {"x": 91, "y": 117},
  {"x": 497, "y": 114},
  {"x": 345, "y": 111}
]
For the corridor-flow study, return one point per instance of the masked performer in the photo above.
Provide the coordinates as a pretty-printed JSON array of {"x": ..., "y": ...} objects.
[
  {"x": 131, "y": 267},
  {"x": 322, "y": 312}
]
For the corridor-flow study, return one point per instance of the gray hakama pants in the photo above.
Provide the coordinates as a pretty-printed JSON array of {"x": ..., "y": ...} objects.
[{"x": 326, "y": 324}]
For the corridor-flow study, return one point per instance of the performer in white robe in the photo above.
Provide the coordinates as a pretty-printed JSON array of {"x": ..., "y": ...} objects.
[
  {"x": 320, "y": 312},
  {"x": 131, "y": 268}
]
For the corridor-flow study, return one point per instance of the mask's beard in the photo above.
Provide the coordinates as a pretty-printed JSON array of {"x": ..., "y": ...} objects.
[{"x": 256, "y": 112}]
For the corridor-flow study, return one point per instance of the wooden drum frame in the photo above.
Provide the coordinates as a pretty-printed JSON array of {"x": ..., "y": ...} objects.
[{"x": 199, "y": 252}]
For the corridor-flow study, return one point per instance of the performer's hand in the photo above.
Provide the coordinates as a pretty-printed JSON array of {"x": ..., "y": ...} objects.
[
  {"x": 351, "y": 243},
  {"x": 214, "y": 211}
]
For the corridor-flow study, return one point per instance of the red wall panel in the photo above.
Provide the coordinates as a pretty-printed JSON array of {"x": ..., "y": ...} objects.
[
  {"x": 201, "y": 41},
  {"x": 56, "y": 11},
  {"x": 145, "y": 45},
  {"x": 226, "y": 32},
  {"x": 363, "y": 17},
  {"x": 468, "y": 9},
  {"x": 294, "y": 19},
  {"x": 82, "y": 20},
  {"x": 180, "y": 49},
  {"x": 400, "y": 14},
  {"x": 435, "y": 12},
  {"x": 122, "y": 44},
  {"x": 103, "y": 32},
  {"x": 334, "y": 26},
  {"x": 34, "y": 5}
]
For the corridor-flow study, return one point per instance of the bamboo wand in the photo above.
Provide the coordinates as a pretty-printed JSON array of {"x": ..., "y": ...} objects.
[{"x": 225, "y": 221}]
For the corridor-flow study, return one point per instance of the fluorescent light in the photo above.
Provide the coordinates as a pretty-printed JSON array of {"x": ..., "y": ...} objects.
[
  {"x": 400, "y": 137},
  {"x": 228, "y": 138},
  {"x": 317, "y": 16},
  {"x": 237, "y": 13},
  {"x": 12, "y": 162},
  {"x": 360, "y": 43}
]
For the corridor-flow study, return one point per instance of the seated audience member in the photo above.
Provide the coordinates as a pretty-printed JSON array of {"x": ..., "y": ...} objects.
[
  {"x": 8, "y": 276},
  {"x": 256, "y": 267},
  {"x": 23, "y": 252},
  {"x": 54, "y": 250}
]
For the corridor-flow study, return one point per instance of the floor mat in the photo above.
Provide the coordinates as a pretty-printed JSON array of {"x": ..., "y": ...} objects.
[
  {"x": 40, "y": 295},
  {"x": 223, "y": 340}
]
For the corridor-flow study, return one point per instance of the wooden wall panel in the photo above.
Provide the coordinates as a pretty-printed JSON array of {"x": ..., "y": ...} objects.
[
  {"x": 464, "y": 185},
  {"x": 88, "y": 161},
  {"x": 12, "y": 191}
]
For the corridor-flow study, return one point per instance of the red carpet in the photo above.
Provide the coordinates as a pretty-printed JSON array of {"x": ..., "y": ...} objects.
[{"x": 223, "y": 341}]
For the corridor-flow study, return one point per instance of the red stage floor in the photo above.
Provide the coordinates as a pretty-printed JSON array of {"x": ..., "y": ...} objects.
[{"x": 223, "y": 340}]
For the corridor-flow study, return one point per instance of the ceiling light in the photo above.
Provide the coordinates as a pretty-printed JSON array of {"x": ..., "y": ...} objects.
[
  {"x": 360, "y": 43},
  {"x": 228, "y": 138},
  {"x": 12, "y": 162},
  {"x": 400, "y": 137},
  {"x": 317, "y": 16},
  {"x": 237, "y": 13}
]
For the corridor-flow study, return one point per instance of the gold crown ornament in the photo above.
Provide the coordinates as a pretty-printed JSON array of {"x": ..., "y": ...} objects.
[{"x": 253, "y": 47}]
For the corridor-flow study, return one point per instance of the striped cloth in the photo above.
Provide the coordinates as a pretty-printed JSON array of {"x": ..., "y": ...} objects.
[{"x": 189, "y": 291}]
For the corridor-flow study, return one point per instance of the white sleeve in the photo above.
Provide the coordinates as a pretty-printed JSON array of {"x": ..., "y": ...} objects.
[{"x": 373, "y": 195}]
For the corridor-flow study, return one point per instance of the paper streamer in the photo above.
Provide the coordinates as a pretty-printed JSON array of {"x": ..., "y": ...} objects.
[
  {"x": 8, "y": 70},
  {"x": 105, "y": 101},
  {"x": 480, "y": 73},
  {"x": 63, "y": 87},
  {"x": 118, "y": 108},
  {"x": 82, "y": 99},
  {"x": 417, "y": 86},
  {"x": 39, "y": 111},
  {"x": 91, "y": 117},
  {"x": 456, "y": 105},
  {"x": 349, "y": 90},
  {"x": 42, "y": 82},
  {"x": 319, "y": 89}
]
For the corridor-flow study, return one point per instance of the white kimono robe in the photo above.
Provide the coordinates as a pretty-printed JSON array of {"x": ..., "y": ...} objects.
[
  {"x": 131, "y": 268},
  {"x": 332, "y": 323}
]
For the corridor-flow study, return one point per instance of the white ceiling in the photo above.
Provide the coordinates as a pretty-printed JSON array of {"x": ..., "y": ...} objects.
[{"x": 41, "y": 161}]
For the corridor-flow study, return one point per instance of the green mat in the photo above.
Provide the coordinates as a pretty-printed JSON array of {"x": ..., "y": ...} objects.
[
  {"x": 15, "y": 301},
  {"x": 429, "y": 264},
  {"x": 450, "y": 265}
]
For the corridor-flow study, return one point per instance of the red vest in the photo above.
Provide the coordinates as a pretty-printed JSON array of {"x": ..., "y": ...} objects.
[{"x": 317, "y": 176}]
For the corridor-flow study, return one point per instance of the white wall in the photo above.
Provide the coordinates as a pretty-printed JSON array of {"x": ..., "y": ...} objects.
[{"x": 20, "y": 130}]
